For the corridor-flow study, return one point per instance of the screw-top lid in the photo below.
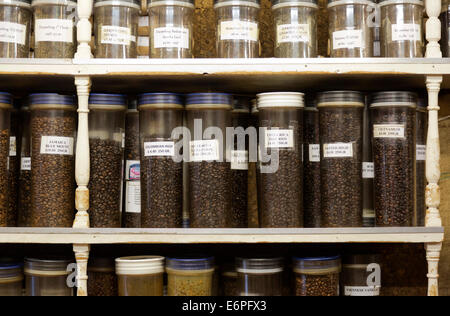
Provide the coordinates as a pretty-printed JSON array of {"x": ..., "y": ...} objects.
[
  {"x": 139, "y": 265},
  {"x": 390, "y": 2},
  {"x": 160, "y": 100},
  {"x": 102, "y": 101},
  {"x": 317, "y": 265},
  {"x": 333, "y": 3},
  {"x": 280, "y": 100},
  {"x": 340, "y": 99},
  {"x": 259, "y": 265},
  {"x": 394, "y": 98},
  {"x": 122, "y": 3},
  {"x": 19, "y": 3},
  {"x": 10, "y": 265},
  {"x": 246, "y": 3},
  {"x": 181, "y": 3},
  {"x": 70, "y": 3},
  {"x": 6, "y": 100},
  {"x": 276, "y": 4},
  {"x": 51, "y": 99},
  {"x": 190, "y": 263},
  {"x": 51, "y": 266},
  {"x": 208, "y": 100}
]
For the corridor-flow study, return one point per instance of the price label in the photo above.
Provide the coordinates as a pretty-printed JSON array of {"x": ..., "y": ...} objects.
[
  {"x": 238, "y": 30},
  {"x": 348, "y": 39},
  {"x": 338, "y": 150},
  {"x": 314, "y": 153},
  {"x": 279, "y": 138},
  {"x": 389, "y": 131},
  {"x": 162, "y": 149},
  {"x": 204, "y": 150},
  {"x": 57, "y": 145}
]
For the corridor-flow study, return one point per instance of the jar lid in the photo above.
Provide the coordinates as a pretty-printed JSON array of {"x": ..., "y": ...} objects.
[
  {"x": 10, "y": 266},
  {"x": 280, "y": 100},
  {"x": 214, "y": 100},
  {"x": 241, "y": 103},
  {"x": 259, "y": 265},
  {"x": 19, "y": 3},
  {"x": 334, "y": 3},
  {"x": 277, "y": 4},
  {"x": 101, "y": 263},
  {"x": 317, "y": 265},
  {"x": 247, "y": 3},
  {"x": 47, "y": 266},
  {"x": 107, "y": 101},
  {"x": 71, "y": 3},
  {"x": 181, "y": 3},
  {"x": 139, "y": 265},
  {"x": 6, "y": 100},
  {"x": 394, "y": 98},
  {"x": 160, "y": 100},
  {"x": 340, "y": 99},
  {"x": 190, "y": 263},
  {"x": 120, "y": 3},
  {"x": 51, "y": 99},
  {"x": 383, "y": 3},
  {"x": 254, "y": 109}
]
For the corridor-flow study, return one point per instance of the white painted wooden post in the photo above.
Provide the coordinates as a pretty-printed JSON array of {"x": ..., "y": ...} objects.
[
  {"x": 82, "y": 256},
  {"x": 84, "y": 29}
]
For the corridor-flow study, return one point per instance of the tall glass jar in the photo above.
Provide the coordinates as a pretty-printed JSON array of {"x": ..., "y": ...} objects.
[
  {"x": 208, "y": 116},
  {"x": 102, "y": 278},
  {"x": 229, "y": 280},
  {"x": 394, "y": 149},
  {"x": 15, "y": 26},
  {"x": 402, "y": 33},
  {"x": 361, "y": 275},
  {"x": 341, "y": 118},
  {"x": 237, "y": 28},
  {"x": 281, "y": 119},
  {"x": 295, "y": 28},
  {"x": 14, "y": 163},
  {"x": 11, "y": 279},
  {"x": 253, "y": 177},
  {"x": 445, "y": 25},
  {"x": 24, "y": 217},
  {"x": 115, "y": 28},
  {"x": 54, "y": 28},
  {"x": 421, "y": 151},
  {"x": 171, "y": 28},
  {"x": 5, "y": 125},
  {"x": 161, "y": 161},
  {"x": 53, "y": 128},
  {"x": 367, "y": 171}
]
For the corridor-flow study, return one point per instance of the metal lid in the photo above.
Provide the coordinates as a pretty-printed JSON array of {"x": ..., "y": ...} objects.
[
  {"x": 394, "y": 98},
  {"x": 338, "y": 2},
  {"x": 390, "y": 2},
  {"x": 51, "y": 264},
  {"x": 247, "y": 3},
  {"x": 71, "y": 3},
  {"x": 280, "y": 100},
  {"x": 340, "y": 98},
  {"x": 103, "y": 100},
  {"x": 182, "y": 3},
  {"x": 194, "y": 100},
  {"x": 51, "y": 98},
  {"x": 161, "y": 99},
  {"x": 19, "y": 3},
  {"x": 190, "y": 263},
  {"x": 259, "y": 265},
  {"x": 317, "y": 265},
  {"x": 139, "y": 265},
  {"x": 276, "y": 4},
  {"x": 123, "y": 3}
]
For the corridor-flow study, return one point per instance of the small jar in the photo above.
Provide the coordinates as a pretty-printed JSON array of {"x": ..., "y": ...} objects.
[
  {"x": 5, "y": 130},
  {"x": 295, "y": 28},
  {"x": 53, "y": 129},
  {"x": 260, "y": 276},
  {"x": 281, "y": 145},
  {"x": 394, "y": 148},
  {"x": 367, "y": 171},
  {"x": 229, "y": 280},
  {"x": 102, "y": 279},
  {"x": 24, "y": 205},
  {"x": 15, "y": 22},
  {"x": 54, "y": 28},
  {"x": 317, "y": 276},
  {"x": 140, "y": 275},
  {"x": 402, "y": 32},
  {"x": 361, "y": 275},
  {"x": 421, "y": 152},
  {"x": 11, "y": 279},
  {"x": 237, "y": 28},
  {"x": 115, "y": 28},
  {"x": 162, "y": 165},
  {"x": 445, "y": 25},
  {"x": 341, "y": 116},
  {"x": 171, "y": 28},
  {"x": 14, "y": 163},
  {"x": 189, "y": 276},
  {"x": 47, "y": 277},
  {"x": 209, "y": 172}
]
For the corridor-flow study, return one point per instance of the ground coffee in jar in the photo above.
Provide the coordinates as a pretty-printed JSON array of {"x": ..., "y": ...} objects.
[
  {"x": 5, "y": 110},
  {"x": 15, "y": 26}
]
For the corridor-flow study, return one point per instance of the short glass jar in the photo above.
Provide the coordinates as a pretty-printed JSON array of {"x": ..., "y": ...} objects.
[
  {"x": 102, "y": 279},
  {"x": 295, "y": 28},
  {"x": 5, "y": 130},
  {"x": 11, "y": 279},
  {"x": 237, "y": 28},
  {"x": 421, "y": 153},
  {"x": 361, "y": 275},
  {"x": 15, "y": 24},
  {"x": 24, "y": 204}
]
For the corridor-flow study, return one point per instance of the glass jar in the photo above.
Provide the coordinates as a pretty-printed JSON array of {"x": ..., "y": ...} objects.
[
  {"x": 253, "y": 173},
  {"x": 208, "y": 116},
  {"x": 229, "y": 280},
  {"x": 445, "y": 25},
  {"x": 140, "y": 275},
  {"x": 341, "y": 122},
  {"x": 53, "y": 128},
  {"x": 350, "y": 27},
  {"x": 5, "y": 125},
  {"x": 237, "y": 28},
  {"x": 14, "y": 163},
  {"x": 361, "y": 275},
  {"x": 260, "y": 276},
  {"x": 189, "y": 276},
  {"x": 162, "y": 166},
  {"x": 402, "y": 32},
  {"x": 115, "y": 28},
  {"x": 295, "y": 28},
  {"x": 102, "y": 279},
  {"x": 47, "y": 277},
  {"x": 394, "y": 120},
  {"x": 15, "y": 24},
  {"x": 367, "y": 171},
  {"x": 421, "y": 152},
  {"x": 11, "y": 279},
  {"x": 317, "y": 276},
  {"x": 24, "y": 217},
  {"x": 171, "y": 28},
  {"x": 281, "y": 118},
  {"x": 54, "y": 28}
]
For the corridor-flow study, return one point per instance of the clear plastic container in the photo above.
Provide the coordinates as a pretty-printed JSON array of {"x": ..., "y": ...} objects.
[
  {"x": 402, "y": 33},
  {"x": 5, "y": 125},
  {"x": 53, "y": 129},
  {"x": 394, "y": 149},
  {"x": 162, "y": 166},
  {"x": 54, "y": 28},
  {"x": 190, "y": 276},
  {"x": 445, "y": 25},
  {"x": 260, "y": 276},
  {"x": 341, "y": 122},
  {"x": 47, "y": 277},
  {"x": 102, "y": 278},
  {"x": 11, "y": 279},
  {"x": 254, "y": 174},
  {"x": 421, "y": 150},
  {"x": 295, "y": 28},
  {"x": 24, "y": 205},
  {"x": 317, "y": 276},
  {"x": 171, "y": 28},
  {"x": 361, "y": 275},
  {"x": 15, "y": 22},
  {"x": 140, "y": 275},
  {"x": 237, "y": 28},
  {"x": 367, "y": 171},
  {"x": 14, "y": 163},
  {"x": 351, "y": 27},
  {"x": 229, "y": 280},
  {"x": 209, "y": 170},
  {"x": 115, "y": 28}
]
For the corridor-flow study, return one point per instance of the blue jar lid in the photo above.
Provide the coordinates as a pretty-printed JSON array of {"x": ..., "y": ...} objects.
[
  {"x": 190, "y": 263},
  {"x": 209, "y": 98},
  {"x": 11, "y": 265},
  {"x": 160, "y": 98},
  {"x": 5, "y": 98},
  {"x": 107, "y": 99},
  {"x": 316, "y": 258},
  {"x": 51, "y": 98}
]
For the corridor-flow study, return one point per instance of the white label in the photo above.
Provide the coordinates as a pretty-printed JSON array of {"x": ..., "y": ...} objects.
[
  {"x": 123, "y": 140},
  {"x": 238, "y": 30},
  {"x": 389, "y": 131},
  {"x": 12, "y": 146},
  {"x": 167, "y": 37},
  {"x": 314, "y": 153},
  {"x": 406, "y": 32},
  {"x": 362, "y": 290},
  {"x": 239, "y": 160},
  {"x": 368, "y": 170},
  {"x": 133, "y": 170},
  {"x": 288, "y": 33},
  {"x": 133, "y": 197},
  {"x": 143, "y": 41},
  {"x": 338, "y": 150},
  {"x": 13, "y": 33},
  {"x": 143, "y": 21},
  {"x": 421, "y": 152},
  {"x": 279, "y": 138},
  {"x": 368, "y": 214},
  {"x": 116, "y": 35},
  {"x": 162, "y": 149},
  {"x": 204, "y": 150},
  {"x": 347, "y": 39},
  {"x": 25, "y": 163},
  {"x": 54, "y": 30},
  {"x": 57, "y": 145}
]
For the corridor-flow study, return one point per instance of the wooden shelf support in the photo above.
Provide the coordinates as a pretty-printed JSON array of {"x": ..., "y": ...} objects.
[
  {"x": 82, "y": 256},
  {"x": 84, "y": 28}
]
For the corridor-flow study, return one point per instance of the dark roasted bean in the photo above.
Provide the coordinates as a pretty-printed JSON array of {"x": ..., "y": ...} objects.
[
  {"x": 317, "y": 285},
  {"x": 4, "y": 185},
  {"x": 102, "y": 283}
]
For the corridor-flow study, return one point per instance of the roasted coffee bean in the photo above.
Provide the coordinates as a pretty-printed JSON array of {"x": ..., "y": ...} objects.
[
  {"x": 24, "y": 198},
  {"x": 102, "y": 283},
  {"x": 4, "y": 184},
  {"x": 14, "y": 169},
  {"x": 317, "y": 285},
  {"x": 239, "y": 216}
]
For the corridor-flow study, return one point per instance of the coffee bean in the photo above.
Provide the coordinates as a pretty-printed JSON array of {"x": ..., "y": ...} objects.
[
  {"x": 239, "y": 215},
  {"x": 4, "y": 185},
  {"x": 317, "y": 285},
  {"x": 14, "y": 169},
  {"x": 102, "y": 283},
  {"x": 24, "y": 198}
]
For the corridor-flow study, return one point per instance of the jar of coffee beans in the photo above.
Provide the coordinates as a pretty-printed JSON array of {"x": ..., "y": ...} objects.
[
  {"x": 54, "y": 28},
  {"x": 115, "y": 28},
  {"x": 228, "y": 280},
  {"x": 281, "y": 169},
  {"x": 421, "y": 153},
  {"x": 14, "y": 162},
  {"x": 394, "y": 149},
  {"x": 445, "y": 25},
  {"x": 367, "y": 171},
  {"x": 24, "y": 204},
  {"x": 5, "y": 130},
  {"x": 102, "y": 278},
  {"x": 253, "y": 167},
  {"x": 295, "y": 28},
  {"x": 11, "y": 278},
  {"x": 341, "y": 115},
  {"x": 15, "y": 23},
  {"x": 361, "y": 275},
  {"x": 402, "y": 33},
  {"x": 237, "y": 28},
  {"x": 161, "y": 160}
]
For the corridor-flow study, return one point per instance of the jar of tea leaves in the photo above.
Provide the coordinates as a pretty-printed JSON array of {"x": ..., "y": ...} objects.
[
  {"x": 15, "y": 25},
  {"x": 421, "y": 152},
  {"x": 5, "y": 126}
]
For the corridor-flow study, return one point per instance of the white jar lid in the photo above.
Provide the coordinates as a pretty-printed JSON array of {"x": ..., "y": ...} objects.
[
  {"x": 139, "y": 265},
  {"x": 280, "y": 99}
]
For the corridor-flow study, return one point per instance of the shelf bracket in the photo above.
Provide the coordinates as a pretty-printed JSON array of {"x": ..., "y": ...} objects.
[{"x": 82, "y": 256}]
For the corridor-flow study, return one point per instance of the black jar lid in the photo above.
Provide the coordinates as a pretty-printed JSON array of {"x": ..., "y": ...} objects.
[
  {"x": 125, "y": 3},
  {"x": 394, "y": 98},
  {"x": 312, "y": 3},
  {"x": 225, "y": 3},
  {"x": 340, "y": 98},
  {"x": 310, "y": 101}
]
